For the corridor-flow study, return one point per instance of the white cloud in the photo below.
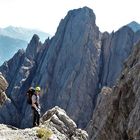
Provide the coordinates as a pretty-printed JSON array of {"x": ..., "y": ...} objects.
[{"x": 46, "y": 14}]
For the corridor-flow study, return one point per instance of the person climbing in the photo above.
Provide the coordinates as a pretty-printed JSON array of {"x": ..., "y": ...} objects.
[{"x": 33, "y": 99}]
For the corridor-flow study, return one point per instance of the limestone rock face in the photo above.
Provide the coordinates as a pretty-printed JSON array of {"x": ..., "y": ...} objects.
[
  {"x": 58, "y": 119},
  {"x": 116, "y": 115},
  {"x": 3, "y": 87},
  {"x": 70, "y": 67},
  {"x": 55, "y": 120},
  {"x": 6, "y": 106}
]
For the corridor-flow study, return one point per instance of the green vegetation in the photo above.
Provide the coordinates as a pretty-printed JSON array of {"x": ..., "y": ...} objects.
[
  {"x": 44, "y": 133},
  {"x": 18, "y": 138}
]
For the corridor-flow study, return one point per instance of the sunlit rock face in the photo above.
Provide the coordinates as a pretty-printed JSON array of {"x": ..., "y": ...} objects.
[{"x": 3, "y": 87}]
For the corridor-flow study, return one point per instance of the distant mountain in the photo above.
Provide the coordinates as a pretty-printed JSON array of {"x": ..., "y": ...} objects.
[
  {"x": 134, "y": 26},
  {"x": 9, "y": 46},
  {"x": 14, "y": 38},
  {"x": 23, "y": 33}
]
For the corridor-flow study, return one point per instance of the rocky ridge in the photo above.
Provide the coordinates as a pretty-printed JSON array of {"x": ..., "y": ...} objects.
[
  {"x": 54, "y": 121},
  {"x": 116, "y": 115}
]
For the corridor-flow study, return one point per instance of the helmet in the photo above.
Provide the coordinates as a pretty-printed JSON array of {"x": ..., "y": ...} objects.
[{"x": 37, "y": 89}]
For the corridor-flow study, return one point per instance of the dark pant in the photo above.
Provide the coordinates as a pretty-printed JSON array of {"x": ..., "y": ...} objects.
[{"x": 36, "y": 117}]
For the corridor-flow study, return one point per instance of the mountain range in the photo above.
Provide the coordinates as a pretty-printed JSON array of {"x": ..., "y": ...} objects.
[
  {"x": 9, "y": 46},
  {"x": 73, "y": 69},
  {"x": 14, "y": 38},
  {"x": 23, "y": 33}
]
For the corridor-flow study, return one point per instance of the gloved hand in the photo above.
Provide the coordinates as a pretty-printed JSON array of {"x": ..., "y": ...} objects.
[{"x": 38, "y": 110}]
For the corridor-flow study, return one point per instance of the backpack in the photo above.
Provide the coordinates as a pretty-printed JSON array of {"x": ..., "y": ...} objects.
[{"x": 30, "y": 93}]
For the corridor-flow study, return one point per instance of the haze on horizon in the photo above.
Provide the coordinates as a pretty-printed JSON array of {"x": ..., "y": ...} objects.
[{"x": 45, "y": 15}]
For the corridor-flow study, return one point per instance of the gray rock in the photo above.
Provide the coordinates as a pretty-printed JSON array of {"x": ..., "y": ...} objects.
[
  {"x": 3, "y": 87},
  {"x": 59, "y": 119},
  {"x": 71, "y": 65},
  {"x": 3, "y": 83},
  {"x": 100, "y": 113},
  {"x": 48, "y": 125},
  {"x": 7, "y": 108},
  {"x": 137, "y": 37},
  {"x": 117, "y": 116},
  {"x": 115, "y": 50}
]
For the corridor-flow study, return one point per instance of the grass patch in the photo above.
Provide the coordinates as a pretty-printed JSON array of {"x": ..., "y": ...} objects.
[
  {"x": 44, "y": 133},
  {"x": 18, "y": 138}
]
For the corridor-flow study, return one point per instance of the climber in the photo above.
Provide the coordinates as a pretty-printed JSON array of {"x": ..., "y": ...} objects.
[{"x": 36, "y": 106}]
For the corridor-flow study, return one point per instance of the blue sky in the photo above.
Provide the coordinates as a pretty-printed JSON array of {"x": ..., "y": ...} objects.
[{"x": 46, "y": 14}]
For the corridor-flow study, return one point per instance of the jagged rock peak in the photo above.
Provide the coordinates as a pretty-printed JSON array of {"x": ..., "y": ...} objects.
[
  {"x": 21, "y": 51},
  {"x": 84, "y": 14},
  {"x": 83, "y": 11},
  {"x": 81, "y": 16},
  {"x": 34, "y": 41},
  {"x": 76, "y": 42},
  {"x": 34, "y": 46},
  {"x": 17, "y": 55},
  {"x": 35, "y": 38}
]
